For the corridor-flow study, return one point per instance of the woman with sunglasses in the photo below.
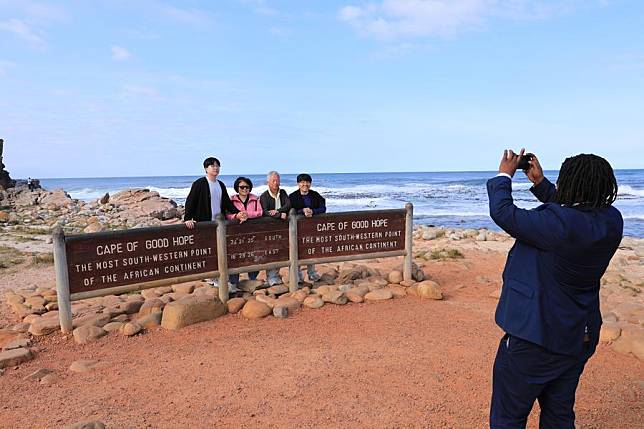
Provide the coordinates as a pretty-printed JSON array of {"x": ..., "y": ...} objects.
[{"x": 246, "y": 203}]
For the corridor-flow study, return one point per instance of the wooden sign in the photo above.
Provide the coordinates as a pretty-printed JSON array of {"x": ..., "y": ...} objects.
[
  {"x": 110, "y": 259},
  {"x": 345, "y": 234},
  {"x": 257, "y": 241}
]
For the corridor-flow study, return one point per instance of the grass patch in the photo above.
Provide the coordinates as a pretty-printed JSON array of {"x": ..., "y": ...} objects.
[
  {"x": 22, "y": 238},
  {"x": 42, "y": 259},
  {"x": 10, "y": 257},
  {"x": 446, "y": 254},
  {"x": 29, "y": 230}
]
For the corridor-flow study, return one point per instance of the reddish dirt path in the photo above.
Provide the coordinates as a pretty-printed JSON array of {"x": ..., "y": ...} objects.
[{"x": 400, "y": 363}]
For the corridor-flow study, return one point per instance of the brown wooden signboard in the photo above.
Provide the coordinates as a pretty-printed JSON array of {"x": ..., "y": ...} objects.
[
  {"x": 345, "y": 234},
  {"x": 256, "y": 242},
  {"x": 110, "y": 259}
]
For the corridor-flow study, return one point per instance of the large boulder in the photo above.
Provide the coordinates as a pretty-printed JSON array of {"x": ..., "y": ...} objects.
[
  {"x": 429, "y": 289},
  {"x": 255, "y": 310},
  {"x": 190, "y": 310}
]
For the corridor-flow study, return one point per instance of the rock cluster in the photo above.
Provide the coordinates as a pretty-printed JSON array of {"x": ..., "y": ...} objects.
[
  {"x": 174, "y": 307},
  {"x": 427, "y": 233},
  {"x": 46, "y": 209}
]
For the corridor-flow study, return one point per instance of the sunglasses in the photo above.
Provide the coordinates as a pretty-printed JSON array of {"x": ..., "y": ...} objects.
[{"x": 244, "y": 187}]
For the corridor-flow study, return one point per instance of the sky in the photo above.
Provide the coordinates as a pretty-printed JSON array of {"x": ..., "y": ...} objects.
[{"x": 152, "y": 87}]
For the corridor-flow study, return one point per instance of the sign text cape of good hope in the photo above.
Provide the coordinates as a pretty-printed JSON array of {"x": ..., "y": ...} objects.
[
  {"x": 345, "y": 234},
  {"x": 110, "y": 259}
]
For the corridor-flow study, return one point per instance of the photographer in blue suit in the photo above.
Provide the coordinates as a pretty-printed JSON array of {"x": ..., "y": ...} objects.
[{"x": 549, "y": 305}]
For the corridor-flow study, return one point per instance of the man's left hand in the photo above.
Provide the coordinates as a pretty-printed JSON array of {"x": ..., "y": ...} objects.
[{"x": 510, "y": 161}]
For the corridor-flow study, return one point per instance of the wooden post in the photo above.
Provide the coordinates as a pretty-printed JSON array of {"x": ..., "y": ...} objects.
[
  {"x": 409, "y": 241},
  {"x": 292, "y": 251},
  {"x": 222, "y": 258},
  {"x": 62, "y": 282}
]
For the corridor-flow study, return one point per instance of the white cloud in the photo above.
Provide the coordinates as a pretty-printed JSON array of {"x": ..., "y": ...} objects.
[
  {"x": 260, "y": 7},
  {"x": 20, "y": 29},
  {"x": 280, "y": 31},
  {"x": 5, "y": 66},
  {"x": 399, "y": 19},
  {"x": 143, "y": 91},
  {"x": 120, "y": 54},
  {"x": 194, "y": 17}
]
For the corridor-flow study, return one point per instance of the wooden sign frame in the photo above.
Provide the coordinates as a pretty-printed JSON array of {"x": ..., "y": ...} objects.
[{"x": 259, "y": 244}]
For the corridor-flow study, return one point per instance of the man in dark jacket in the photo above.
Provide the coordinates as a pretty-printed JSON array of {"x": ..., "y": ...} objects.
[
  {"x": 276, "y": 204},
  {"x": 208, "y": 197},
  {"x": 307, "y": 202},
  {"x": 549, "y": 305},
  {"x": 275, "y": 201}
]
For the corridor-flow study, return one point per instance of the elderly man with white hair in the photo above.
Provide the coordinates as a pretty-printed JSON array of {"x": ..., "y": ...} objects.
[{"x": 276, "y": 204}]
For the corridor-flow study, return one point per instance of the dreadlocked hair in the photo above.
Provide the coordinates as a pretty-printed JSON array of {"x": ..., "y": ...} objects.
[{"x": 588, "y": 180}]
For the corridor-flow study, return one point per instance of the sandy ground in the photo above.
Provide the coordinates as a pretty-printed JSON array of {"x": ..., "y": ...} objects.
[{"x": 399, "y": 363}]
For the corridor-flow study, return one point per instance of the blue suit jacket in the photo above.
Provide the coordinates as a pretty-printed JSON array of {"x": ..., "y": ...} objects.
[{"x": 551, "y": 279}]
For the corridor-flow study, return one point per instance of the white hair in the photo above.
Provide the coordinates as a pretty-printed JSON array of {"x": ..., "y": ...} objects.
[{"x": 271, "y": 174}]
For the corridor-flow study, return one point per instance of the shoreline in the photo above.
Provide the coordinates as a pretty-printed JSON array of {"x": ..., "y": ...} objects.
[{"x": 394, "y": 362}]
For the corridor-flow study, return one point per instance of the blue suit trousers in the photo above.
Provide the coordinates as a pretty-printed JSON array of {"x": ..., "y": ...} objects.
[{"x": 525, "y": 372}]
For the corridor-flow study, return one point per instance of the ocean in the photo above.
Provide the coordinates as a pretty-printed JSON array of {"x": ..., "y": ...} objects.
[{"x": 449, "y": 199}]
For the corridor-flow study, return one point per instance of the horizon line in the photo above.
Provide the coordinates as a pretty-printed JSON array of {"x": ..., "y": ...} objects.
[{"x": 312, "y": 173}]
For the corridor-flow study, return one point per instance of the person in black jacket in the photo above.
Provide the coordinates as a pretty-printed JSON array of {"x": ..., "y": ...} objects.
[
  {"x": 208, "y": 197},
  {"x": 276, "y": 204},
  {"x": 275, "y": 201},
  {"x": 307, "y": 202}
]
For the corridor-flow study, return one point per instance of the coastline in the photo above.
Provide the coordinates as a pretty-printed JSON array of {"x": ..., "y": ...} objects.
[{"x": 414, "y": 346}]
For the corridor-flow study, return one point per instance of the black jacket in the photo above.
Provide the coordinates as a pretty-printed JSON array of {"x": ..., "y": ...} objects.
[
  {"x": 198, "y": 201},
  {"x": 268, "y": 202},
  {"x": 318, "y": 204}
]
